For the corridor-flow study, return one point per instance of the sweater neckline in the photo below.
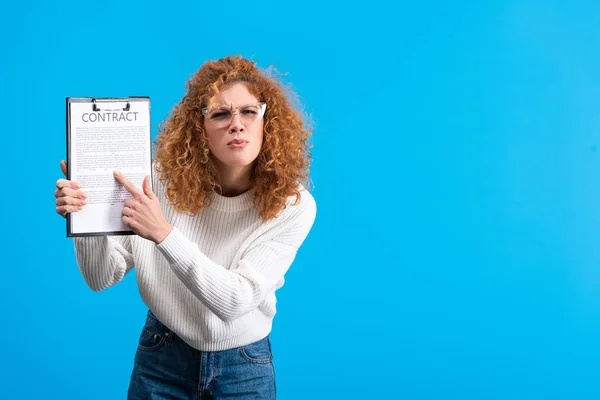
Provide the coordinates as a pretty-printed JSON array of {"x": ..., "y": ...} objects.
[{"x": 237, "y": 203}]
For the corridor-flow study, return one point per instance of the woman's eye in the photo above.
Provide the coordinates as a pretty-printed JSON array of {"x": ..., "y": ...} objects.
[{"x": 220, "y": 115}]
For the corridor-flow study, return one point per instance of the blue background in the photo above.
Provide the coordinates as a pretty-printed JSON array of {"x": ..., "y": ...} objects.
[{"x": 456, "y": 251}]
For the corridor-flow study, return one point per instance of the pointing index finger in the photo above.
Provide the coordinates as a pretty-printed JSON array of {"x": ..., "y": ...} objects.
[{"x": 131, "y": 188}]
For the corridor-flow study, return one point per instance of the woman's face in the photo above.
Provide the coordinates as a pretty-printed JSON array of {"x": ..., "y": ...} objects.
[{"x": 233, "y": 127}]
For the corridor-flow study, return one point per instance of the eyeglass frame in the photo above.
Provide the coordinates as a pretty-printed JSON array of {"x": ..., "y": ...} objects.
[{"x": 262, "y": 107}]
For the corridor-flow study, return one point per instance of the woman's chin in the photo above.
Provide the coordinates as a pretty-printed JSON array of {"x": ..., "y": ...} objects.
[{"x": 237, "y": 163}]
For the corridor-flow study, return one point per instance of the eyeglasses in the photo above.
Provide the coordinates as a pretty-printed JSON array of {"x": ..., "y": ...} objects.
[{"x": 221, "y": 117}]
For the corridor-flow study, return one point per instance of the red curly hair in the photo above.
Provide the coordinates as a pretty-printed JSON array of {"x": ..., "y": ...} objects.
[{"x": 184, "y": 159}]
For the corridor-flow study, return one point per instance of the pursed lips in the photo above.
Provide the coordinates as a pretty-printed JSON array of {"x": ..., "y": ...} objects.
[{"x": 237, "y": 141}]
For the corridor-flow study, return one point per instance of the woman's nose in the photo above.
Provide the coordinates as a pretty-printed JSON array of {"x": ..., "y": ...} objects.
[{"x": 236, "y": 123}]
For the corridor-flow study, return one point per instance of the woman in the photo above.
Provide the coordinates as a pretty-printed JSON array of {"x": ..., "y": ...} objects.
[{"x": 215, "y": 234}]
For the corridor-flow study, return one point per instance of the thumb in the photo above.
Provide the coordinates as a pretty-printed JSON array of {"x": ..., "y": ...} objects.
[
  {"x": 147, "y": 188},
  {"x": 63, "y": 166}
]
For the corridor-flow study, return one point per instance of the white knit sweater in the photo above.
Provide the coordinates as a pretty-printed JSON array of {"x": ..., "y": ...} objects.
[{"x": 213, "y": 279}]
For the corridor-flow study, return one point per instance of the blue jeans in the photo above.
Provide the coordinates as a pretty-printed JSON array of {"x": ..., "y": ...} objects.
[{"x": 166, "y": 367}]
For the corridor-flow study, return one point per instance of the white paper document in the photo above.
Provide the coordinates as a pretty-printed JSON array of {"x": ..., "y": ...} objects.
[{"x": 104, "y": 135}]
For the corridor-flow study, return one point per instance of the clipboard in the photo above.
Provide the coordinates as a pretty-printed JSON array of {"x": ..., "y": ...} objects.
[{"x": 105, "y": 122}]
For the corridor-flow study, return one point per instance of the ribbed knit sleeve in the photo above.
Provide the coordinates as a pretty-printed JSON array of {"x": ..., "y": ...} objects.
[
  {"x": 232, "y": 292},
  {"x": 103, "y": 260}
]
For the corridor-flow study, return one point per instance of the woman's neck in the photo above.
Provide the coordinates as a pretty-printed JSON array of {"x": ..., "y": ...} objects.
[{"x": 234, "y": 180}]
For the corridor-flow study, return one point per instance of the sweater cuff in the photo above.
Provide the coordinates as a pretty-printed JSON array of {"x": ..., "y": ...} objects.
[{"x": 175, "y": 247}]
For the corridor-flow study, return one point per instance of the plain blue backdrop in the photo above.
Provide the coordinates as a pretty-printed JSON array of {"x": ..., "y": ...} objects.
[{"x": 456, "y": 251}]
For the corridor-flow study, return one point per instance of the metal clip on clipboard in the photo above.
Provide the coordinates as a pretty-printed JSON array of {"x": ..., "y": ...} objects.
[{"x": 95, "y": 106}]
